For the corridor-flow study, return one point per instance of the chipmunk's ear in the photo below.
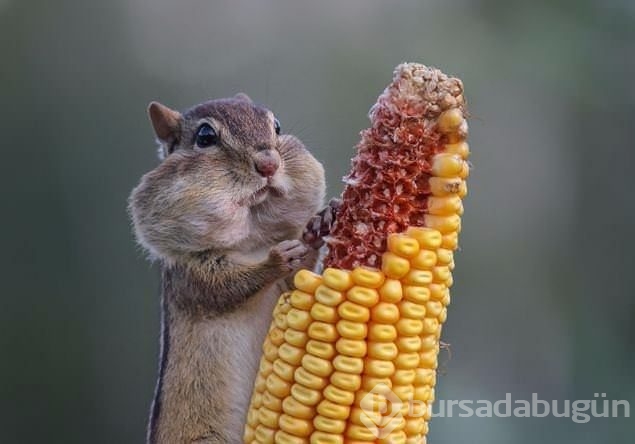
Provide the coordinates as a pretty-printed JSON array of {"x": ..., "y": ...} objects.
[
  {"x": 244, "y": 97},
  {"x": 165, "y": 122}
]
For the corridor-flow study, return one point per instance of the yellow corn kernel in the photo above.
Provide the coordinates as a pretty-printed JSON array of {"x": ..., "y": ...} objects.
[
  {"x": 328, "y": 296},
  {"x": 378, "y": 385},
  {"x": 301, "y": 300},
  {"x": 427, "y": 342},
  {"x": 446, "y": 186},
  {"x": 298, "y": 319},
  {"x": 428, "y": 359},
  {"x": 450, "y": 240},
  {"x": 409, "y": 327},
  {"x": 309, "y": 380},
  {"x": 268, "y": 418},
  {"x": 408, "y": 360},
  {"x": 394, "y": 266},
  {"x": 403, "y": 377},
  {"x": 265, "y": 368},
  {"x": 441, "y": 274},
  {"x": 351, "y": 330},
  {"x": 428, "y": 238},
  {"x": 363, "y": 296},
  {"x": 409, "y": 343},
  {"x": 416, "y": 439},
  {"x": 382, "y": 350},
  {"x": 249, "y": 435},
  {"x": 446, "y": 165},
  {"x": 293, "y": 407},
  {"x": 423, "y": 393},
  {"x": 465, "y": 170},
  {"x": 443, "y": 315},
  {"x": 391, "y": 291},
  {"x": 338, "y": 396},
  {"x": 450, "y": 121},
  {"x": 360, "y": 416},
  {"x": 326, "y": 438},
  {"x": 395, "y": 437},
  {"x": 270, "y": 351},
  {"x": 425, "y": 376},
  {"x": 272, "y": 402},
  {"x": 362, "y": 433},
  {"x": 403, "y": 245},
  {"x": 283, "y": 437},
  {"x": 260, "y": 385},
  {"x": 460, "y": 148},
  {"x": 320, "y": 349},
  {"x": 276, "y": 336},
  {"x": 280, "y": 321},
  {"x": 289, "y": 353},
  {"x": 264, "y": 435},
  {"x": 323, "y": 331},
  {"x": 306, "y": 281},
  {"x": 346, "y": 381},
  {"x": 305, "y": 395},
  {"x": 430, "y": 325},
  {"x": 381, "y": 332},
  {"x": 277, "y": 386},
  {"x": 445, "y": 224},
  {"x": 283, "y": 369},
  {"x": 418, "y": 277},
  {"x": 348, "y": 364},
  {"x": 353, "y": 312},
  {"x": 295, "y": 426},
  {"x": 445, "y": 206},
  {"x": 322, "y": 312},
  {"x": 433, "y": 308},
  {"x": 317, "y": 366},
  {"x": 445, "y": 257},
  {"x": 295, "y": 337},
  {"x": 256, "y": 399},
  {"x": 438, "y": 292},
  {"x": 416, "y": 294},
  {"x": 424, "y": 260},
  {"x": 368, "y": 277},
  {"x": 351, "y": 347},
  {"x": 333, "y": 410},
  {"x": 378, "y": 367},
  {"x": 412, "y": 310},
  {"x": 340, "y": 280},
  {"x": 418, "y": 409},
  {"x": 329, "y": 425},
  {"x": 385, "y": 313}
]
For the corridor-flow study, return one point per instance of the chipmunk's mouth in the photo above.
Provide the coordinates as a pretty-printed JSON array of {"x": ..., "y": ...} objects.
[{"x": 260, "y": 195}]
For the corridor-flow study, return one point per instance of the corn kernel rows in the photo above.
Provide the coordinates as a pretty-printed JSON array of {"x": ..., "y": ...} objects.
[
  {"x": 448, "y": 187},
  {"x": 344, "y": 335}
]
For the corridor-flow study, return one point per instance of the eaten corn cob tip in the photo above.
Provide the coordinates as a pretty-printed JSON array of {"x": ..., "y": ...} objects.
[{"x": 351, "y": 354}]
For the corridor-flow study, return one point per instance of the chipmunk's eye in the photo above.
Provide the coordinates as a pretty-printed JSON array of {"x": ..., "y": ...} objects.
[
  {"x": 276, "y": 125},
  {"x": 206, "y": 136}
]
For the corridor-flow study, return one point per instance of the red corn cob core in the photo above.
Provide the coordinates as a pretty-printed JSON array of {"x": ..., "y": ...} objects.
[{"x": 388, "y": 186}]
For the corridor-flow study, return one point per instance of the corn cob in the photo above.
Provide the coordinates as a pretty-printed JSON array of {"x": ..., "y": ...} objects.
[{"x": 351, "y": 355}]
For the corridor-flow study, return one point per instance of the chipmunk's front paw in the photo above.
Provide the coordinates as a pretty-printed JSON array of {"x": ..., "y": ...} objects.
[
  {"x": 289, "y": 255},
  {"x": 320, "y": 224}
]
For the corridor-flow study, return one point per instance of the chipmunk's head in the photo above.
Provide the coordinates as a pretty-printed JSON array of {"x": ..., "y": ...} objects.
[{"x": 227, "y": 175}]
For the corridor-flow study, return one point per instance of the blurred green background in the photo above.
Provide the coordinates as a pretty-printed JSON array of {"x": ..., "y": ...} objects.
[{"x": 543, "y": 300}]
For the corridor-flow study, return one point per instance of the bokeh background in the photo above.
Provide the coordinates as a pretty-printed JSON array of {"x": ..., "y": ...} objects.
[{"x": 544, "y": 294}]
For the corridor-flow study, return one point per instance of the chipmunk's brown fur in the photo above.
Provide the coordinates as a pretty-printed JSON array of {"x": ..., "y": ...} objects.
[{"x": 225, "y": 222}]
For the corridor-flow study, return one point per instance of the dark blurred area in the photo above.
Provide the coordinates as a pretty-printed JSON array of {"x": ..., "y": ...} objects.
[{"x": 544, "y": 289}]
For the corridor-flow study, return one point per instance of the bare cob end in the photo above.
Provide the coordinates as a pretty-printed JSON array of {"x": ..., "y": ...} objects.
[{"x": 389, "y": 187}]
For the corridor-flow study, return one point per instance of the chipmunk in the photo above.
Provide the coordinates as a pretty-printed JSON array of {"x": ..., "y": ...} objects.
[{"x": 229, "y": 213}]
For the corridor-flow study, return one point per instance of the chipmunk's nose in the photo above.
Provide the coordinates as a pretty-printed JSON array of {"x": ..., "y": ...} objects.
[{"x": 267, "y": 163}]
